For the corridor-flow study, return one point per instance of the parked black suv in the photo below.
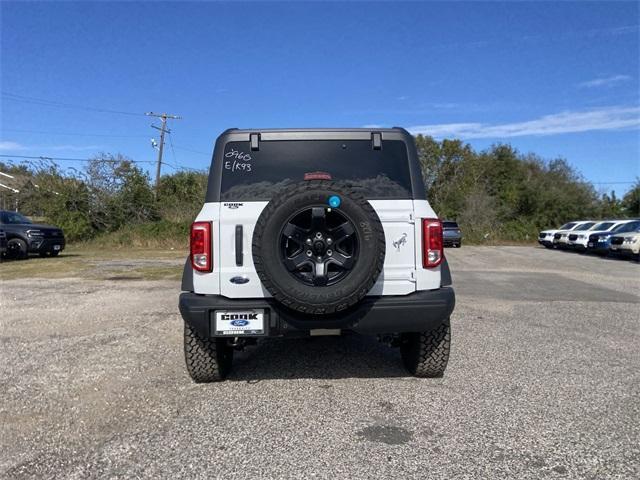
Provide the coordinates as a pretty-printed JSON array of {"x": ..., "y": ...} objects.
[
  {"x": 24, "y": 236},
  {"x": 3, "y": 243},
  {"x": 451, "y": 233}
]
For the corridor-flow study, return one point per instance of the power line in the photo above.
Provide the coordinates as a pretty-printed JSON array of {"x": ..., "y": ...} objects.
[
  {"x": 173, "y": 152},
  {"x": 66, "y": 159},
  {"x": 72, "y": 134},
  {"x": 55, "y": 103},
  {"x": 194, "y": 151}
]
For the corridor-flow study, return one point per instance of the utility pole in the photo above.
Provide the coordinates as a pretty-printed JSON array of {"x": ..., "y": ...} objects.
[{"x": 163, "y": 129}]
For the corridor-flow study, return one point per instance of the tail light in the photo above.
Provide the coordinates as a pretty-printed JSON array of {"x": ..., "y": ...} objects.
[
  {"x": 432, "y": 244},
  {"x": 200, "y": 246}
]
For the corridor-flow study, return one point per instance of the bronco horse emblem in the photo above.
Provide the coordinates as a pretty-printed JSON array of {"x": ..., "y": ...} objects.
[{"x": 400, "y": 241}]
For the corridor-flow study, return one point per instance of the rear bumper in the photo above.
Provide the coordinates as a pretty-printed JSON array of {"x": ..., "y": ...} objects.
[{"x": 416, "y": 312}]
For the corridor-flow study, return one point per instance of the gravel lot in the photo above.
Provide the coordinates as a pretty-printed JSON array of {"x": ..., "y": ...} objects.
[{"x": 543, "y": 382}]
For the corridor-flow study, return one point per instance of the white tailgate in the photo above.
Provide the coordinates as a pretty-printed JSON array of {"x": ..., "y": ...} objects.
[{"x": 399, "y": 276}]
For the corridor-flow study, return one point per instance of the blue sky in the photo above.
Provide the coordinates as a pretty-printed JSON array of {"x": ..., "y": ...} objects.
[{"x": 556, "y": 79}]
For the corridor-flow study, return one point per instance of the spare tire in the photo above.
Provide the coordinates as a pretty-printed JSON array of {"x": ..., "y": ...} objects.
[{"x": 318, "y": 247}]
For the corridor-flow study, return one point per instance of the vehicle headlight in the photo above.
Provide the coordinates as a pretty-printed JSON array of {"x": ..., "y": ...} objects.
[{"x": 35, "y": 233}]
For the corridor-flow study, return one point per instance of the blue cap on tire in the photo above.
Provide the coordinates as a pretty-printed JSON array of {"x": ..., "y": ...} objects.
[{"x": 334, "y": 201}]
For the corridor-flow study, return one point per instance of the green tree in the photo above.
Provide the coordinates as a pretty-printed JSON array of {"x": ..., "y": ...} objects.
[
  {"x": 631, "y": 201},
  {"x": 181, "y": 195}
]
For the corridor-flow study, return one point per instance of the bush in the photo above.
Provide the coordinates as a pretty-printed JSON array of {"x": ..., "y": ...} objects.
[{"x": 160, "y": 234}]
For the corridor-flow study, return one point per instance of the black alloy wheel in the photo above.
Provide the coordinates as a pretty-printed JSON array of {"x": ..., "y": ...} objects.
[{"x": 319, "y": 246}]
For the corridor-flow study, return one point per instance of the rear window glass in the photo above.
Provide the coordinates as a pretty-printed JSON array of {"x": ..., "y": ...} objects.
[
  {"x": 259, "y": 175},
  {"x": 567, "y": 226},
  {"x": 449, "y": 224}
]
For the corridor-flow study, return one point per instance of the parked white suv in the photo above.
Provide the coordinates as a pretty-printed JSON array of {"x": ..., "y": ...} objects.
[
  {"x": 579, "y": 239},
  {"x": 316, "y": 232},
  {"x": 545, "y": 237},
  {"x": 561, "y": 237}
]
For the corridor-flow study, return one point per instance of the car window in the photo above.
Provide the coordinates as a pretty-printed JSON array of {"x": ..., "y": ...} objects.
[
  {"x": 259, "y": 175},
  {"x": 603, "y": 226},
  {"x": 13, "y": 218},
  {"x": 567, "y": 226},
  {"x": 627, "y": 227},
  {"x": 584, "y": 226},
  {"x": 449, "y": 224}
]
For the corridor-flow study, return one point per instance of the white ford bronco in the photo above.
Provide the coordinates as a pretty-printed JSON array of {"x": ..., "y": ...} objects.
[{"x": 315, "y": 232}]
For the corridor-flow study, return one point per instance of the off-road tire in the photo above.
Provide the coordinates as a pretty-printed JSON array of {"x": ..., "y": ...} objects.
[
  {"x": 207, "y": 359},
  {"x": 425, "y": 354},
  {"x": 17, "y": 249},
  {"x": 309, "y": 299}
]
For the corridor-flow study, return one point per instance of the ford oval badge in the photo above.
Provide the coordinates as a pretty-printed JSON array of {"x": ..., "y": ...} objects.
[
  {"x": 239, "y": 323},
  {"x": 239, "y": 280}
]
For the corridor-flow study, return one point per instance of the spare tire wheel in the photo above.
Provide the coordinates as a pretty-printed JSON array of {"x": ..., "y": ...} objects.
[{"x": 318, "y": 247}]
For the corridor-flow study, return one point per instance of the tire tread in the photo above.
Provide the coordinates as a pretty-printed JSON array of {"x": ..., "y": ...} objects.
[
  {"x": 426, "y": 354},
  {"x": 207, "y": 359}
]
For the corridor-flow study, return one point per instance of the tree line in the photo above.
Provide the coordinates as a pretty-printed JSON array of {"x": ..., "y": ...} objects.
[{"x": 497, "y": 194}]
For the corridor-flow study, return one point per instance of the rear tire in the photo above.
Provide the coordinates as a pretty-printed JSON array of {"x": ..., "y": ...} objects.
[
  {"x": 426, "y": 354},
  {"x": 17, "y": 249},
  {"x": 207, "y": 359}
]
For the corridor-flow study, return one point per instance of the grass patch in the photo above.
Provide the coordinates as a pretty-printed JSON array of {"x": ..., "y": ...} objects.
[
  {"x": 101, "y": 263},
  {"x": 163, "y": 234}
]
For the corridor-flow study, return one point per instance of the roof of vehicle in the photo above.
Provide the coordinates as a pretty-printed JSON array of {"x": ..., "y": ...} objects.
[
  {"x": 267, "y": 134},
  {"x": 323, "y": 129}
]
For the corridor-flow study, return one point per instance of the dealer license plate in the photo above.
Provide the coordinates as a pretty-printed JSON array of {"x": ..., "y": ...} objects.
[{"x": 239, "y": 322}]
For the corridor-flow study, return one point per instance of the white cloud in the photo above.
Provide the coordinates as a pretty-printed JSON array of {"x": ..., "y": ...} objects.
[
  {"x": 605, "y": 81},
  {"x": 10, "y": 146},
  {"x": 611, "y": 118}
]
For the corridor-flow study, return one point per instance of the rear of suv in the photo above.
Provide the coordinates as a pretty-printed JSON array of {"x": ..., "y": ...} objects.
[
  {"x": 451, "y": 233},
  {"x": 315, "y": 232}
]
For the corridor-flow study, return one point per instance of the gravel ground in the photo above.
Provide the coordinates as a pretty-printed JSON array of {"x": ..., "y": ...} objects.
[{"x": 543, "y": 382}]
